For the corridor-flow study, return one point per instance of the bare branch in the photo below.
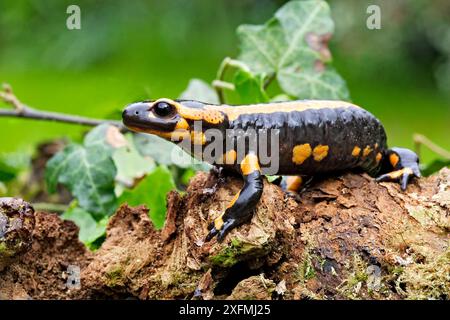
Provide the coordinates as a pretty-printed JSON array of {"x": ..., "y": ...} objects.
[{"x": 21, "y": 110}]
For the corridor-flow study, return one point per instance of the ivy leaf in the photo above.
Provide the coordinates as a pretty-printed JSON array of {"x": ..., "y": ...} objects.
[
  {"x": 90, "y": 230},
  {"x": 88, "y": 172},
  {"x": 105, "y": 137},
  {"x": 250, "y": 87},
  {"x": 199, "y": 90},
  {"x": 167, "y": 153},
  {"x": 293, "y": 46},
  {"x": 130, "y": 164},
  {"x": 152, "y": 192}
]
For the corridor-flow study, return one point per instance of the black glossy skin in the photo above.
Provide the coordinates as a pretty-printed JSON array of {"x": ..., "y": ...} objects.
[
  {"x": 315, "y": 123},
  {"x": 339, "y": 128}
]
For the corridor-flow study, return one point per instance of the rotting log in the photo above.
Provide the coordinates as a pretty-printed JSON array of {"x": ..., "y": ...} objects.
[{"x": 344, "y": 237}]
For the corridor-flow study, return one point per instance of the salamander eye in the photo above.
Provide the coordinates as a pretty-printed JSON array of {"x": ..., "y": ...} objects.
[{"x": 163, "y": 109}]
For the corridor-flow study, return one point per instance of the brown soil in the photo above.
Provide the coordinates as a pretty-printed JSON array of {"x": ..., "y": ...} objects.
[{"x": 346, "y": 237}]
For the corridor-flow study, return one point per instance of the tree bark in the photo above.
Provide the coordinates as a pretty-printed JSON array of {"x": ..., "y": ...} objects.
[{"x": 344, "y": 237}]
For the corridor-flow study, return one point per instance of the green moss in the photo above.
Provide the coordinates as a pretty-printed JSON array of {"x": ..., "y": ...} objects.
[
  {"x": 5, "y": 251},
  {"x": 357, "y": 276},
  {"x": 114, "y": 276},
  {"x": 231, "y": 255},
  {"x": 431, "y": 217},
  {"x": 429, "y": 280},
  {"x": 307, "y": 270}
]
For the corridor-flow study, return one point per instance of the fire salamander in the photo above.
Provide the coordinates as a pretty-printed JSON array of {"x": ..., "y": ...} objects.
[{"x": 313, "y": 137}]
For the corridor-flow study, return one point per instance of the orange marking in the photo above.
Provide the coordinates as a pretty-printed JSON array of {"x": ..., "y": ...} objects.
[
  {"x": 367, "y": 150},
  {"x": 356, "y": 151},
  {"x": 182, "y": 125},
  {"x": 233, "y": 112},
  {"x": 230, "y": 157},
  {"x": 399, "y": 173},
  {"x": 300, "y": 153},
  {"x": 198, "y": 138},
  {"x": 378, "y": 157},
  {"x": 394, "y": 159},
  {"x": 250, "y": 164},
  {"x": 320, "y": 152},
  {"x": 218, "y": 222},
  {"x": 293, "y": 183},
  {"x": 176, "y": 135},
  {"x": 207, "y": 114},
  {"x": 233, "y": 201}
]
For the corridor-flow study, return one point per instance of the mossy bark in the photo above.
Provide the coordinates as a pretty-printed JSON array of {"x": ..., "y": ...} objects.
[{"x": 345, "y": 237}]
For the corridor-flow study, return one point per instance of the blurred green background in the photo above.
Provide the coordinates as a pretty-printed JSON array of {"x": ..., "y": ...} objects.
[{"x": 131, "y": 50}]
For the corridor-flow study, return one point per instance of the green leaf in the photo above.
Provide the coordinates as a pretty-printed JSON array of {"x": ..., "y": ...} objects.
[
  {"x": 89, "y": 175},
  {"x": 90, "y": 230},
  {"x": 186, "y": 176},
  {"x": 434, "y": 166},
  {"x": 199, "y": 90},
  {"x": 293, "y": 46},
  {"x": 105, "y": 137},
  {"x": 250, "y": 87},
  {"x": 7, "y": 172},
  {"x": 88, "y": 170},
  {"x": 12, "y": 164},
  {"x": 166, "y": 152},
  {"x": 152, "y": 191},
  {"x": 130, "y": 164}
]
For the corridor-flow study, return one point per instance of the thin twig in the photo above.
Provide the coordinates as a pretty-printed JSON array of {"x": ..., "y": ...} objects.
[
  {"x": 420, "y": 139},
  {"x": 21, "y": 110}
]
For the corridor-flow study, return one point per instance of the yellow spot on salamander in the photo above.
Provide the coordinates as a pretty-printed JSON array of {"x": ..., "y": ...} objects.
[
  {"x": 233, "y": 201},
  {"x": 210, "y": 114},
  {"x": 218, "y": 222},
  {"x": 378, "y": 157},
  {"x": 300, "y": 153},
  {"x": 182, "y": 125},
  {"x": 320, "y": 152},
  {"x": 198, "y": 138},
  {"x": 367, "y": 150},
  {"x": 399, "y": 173},
  {"x": 250, "y": 164},
  {"x": 293, "y": 183},
  {"x": 230, "y": 157},
  {"x": 394, "y": 159},
  {"x": 233, "y": 112},
  {"x": 356, "y": 151}
]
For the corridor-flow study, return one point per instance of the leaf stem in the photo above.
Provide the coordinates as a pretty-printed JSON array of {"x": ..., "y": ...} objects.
[{"x": 219, "y": 84}]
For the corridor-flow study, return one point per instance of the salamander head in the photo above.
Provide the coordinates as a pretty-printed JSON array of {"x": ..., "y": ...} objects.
[
  {"x": 170, "y": 119},
  {"x": 160, "y": 117}
]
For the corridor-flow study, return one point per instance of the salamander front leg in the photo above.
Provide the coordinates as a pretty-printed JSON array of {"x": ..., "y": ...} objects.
[
  {"x": 405, "y": 164},
  {"x": 240, "y": 209}
]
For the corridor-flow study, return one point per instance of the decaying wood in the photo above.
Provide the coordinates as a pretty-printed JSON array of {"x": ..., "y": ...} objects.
[{"x": 344, "y": 237}]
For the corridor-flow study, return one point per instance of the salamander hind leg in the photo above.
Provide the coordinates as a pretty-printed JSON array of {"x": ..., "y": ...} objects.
[
  {"x": 240, "y": 209},
  {"x": 402, "y": 164},
  {"x": 294, "y": 184}
]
